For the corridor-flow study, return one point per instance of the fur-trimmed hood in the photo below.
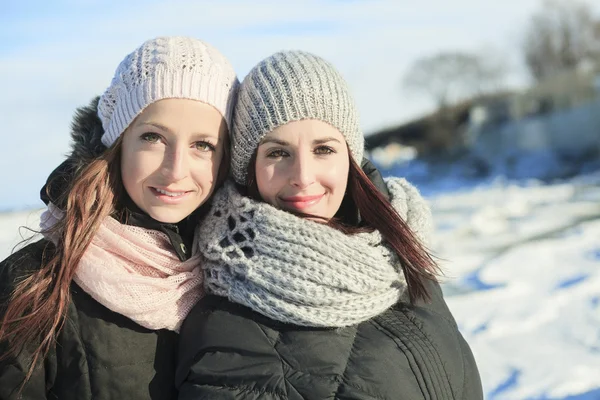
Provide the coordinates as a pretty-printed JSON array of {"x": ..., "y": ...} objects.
[{"x": 86, "y": 132}]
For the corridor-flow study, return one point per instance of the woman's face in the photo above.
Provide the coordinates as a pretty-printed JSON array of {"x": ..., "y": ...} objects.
[
  {"x": 171, "y": 157},
  {"x": 303, "y": 166}
]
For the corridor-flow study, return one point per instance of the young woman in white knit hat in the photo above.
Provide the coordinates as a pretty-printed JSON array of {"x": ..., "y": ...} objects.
[
  {"x": 91, "y": 311},
  {"x": 319, "y": 281}
]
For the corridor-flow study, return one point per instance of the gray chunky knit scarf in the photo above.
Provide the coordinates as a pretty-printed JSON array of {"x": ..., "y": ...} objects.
[{"x": 300, "y": 271}]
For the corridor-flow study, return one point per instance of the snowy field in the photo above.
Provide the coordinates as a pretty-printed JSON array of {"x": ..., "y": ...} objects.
[
  {"x": 523, "y": 272},
  {"x": 522, "y": 269}
]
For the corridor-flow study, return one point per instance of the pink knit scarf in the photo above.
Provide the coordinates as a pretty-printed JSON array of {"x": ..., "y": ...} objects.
[{"x": 134, "y": 272}]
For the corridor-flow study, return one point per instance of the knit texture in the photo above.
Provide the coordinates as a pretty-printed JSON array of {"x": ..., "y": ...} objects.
[
  {"x": 162, "y": 68},
  {"x": 300, "y": 271},
  {"x": 291, "y": 86},
  {"x": 133, "y": 271}
]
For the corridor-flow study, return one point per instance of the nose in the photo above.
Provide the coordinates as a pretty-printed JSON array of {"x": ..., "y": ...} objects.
[
  {"x": 175, "y": 164},
  {"x": 303, "y": 171}
]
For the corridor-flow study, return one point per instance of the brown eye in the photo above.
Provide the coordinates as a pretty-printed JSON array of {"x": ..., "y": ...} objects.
[
  {"x": 324, "y": 150},
  {"x": 204, "y": 146},
  {"x": 276, "y": 154}
]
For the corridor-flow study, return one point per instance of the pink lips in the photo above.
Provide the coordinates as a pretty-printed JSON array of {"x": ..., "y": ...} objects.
[
  {"x": 182, "y": 195},
  {"x": 302, "y": 202}
]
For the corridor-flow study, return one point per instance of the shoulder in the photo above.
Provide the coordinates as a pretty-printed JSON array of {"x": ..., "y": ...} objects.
[
  {"x": 431, "y": 317},
  {"x": 27, "y": 259},
  {"x": 428, "y": 331},
  {"x": 22, "y": 263},
  {"x": 412, "y": 207}
]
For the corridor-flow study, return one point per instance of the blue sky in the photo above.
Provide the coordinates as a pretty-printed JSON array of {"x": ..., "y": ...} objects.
[{"x": 56, "y": 56}]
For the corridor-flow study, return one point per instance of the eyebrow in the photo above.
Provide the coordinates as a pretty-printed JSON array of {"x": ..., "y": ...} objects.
[
  {"x": 164, "y": 128},
  {"x": 325, "y": 140},
  {"x": 284, "y": 143},
  {"x": 156, "y": 125},
  {"x": 273, "y": 140}
]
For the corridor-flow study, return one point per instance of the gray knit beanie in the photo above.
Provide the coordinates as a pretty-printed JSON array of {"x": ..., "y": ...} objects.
[
  {"x": 290, "y": 86},
  {"x": 163, "y": 68}
]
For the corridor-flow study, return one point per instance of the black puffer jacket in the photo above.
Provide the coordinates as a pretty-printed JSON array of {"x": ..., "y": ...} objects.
[
  {"x": 410, "y": 352},
  {"x": 99, "y": 354}
]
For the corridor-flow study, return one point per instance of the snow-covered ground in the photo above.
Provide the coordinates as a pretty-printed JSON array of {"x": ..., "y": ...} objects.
[
  {"x": 522, "y": 266},
  {"x": 523, "y": 280}
]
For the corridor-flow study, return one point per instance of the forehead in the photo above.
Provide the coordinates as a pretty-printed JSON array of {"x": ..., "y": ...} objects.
[
  {"x": 307, "y": 129},
  {"x": 183, "y": 115}
]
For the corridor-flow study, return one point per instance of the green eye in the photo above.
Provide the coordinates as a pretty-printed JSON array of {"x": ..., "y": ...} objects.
[{"x": 150, "y": 137}]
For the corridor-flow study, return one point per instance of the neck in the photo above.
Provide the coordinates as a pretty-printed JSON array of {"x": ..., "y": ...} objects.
[{"x": 179, "y": 233}]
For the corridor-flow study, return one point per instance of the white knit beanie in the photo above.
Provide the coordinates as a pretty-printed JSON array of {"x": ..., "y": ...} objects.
[
  {"x": 163, "y": 68},
  {"x": 290, "y": 86}
]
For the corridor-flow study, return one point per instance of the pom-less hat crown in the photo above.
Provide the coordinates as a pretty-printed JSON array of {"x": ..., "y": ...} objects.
[{"x": 162, "y": 68}]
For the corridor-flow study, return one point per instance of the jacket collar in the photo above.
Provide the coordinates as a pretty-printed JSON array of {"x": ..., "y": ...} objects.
[{"x": 181, "y": 234}]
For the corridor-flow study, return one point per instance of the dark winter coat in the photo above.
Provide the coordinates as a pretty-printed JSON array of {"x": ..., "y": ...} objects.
[
  {"x": 410, "y": 352},
  {"x": 98, "y": 354}
]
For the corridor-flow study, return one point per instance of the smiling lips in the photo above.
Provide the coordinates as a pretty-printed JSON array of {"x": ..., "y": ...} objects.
[
  {"x": 301, "y": 202},
  {"x": 168, "y": 196}
]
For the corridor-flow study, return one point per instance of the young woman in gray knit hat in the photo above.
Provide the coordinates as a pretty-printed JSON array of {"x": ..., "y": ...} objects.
[
  {"x": 91, "y": 311},
  {"x": 319, "y": 280}
]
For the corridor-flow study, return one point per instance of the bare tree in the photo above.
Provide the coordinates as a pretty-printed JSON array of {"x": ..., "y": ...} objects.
[
  {"x": 451, "y": 76},
  {"x": 559, "y": 37}
]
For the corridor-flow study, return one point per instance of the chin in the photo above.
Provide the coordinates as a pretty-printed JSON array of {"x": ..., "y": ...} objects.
[
  {"x": 168, "y": 218},
  {"x": 317, "y": 216},
  {"x": 319, "y": 220}
]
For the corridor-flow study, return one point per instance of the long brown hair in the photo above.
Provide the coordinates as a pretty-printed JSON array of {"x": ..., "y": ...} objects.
[
  {"x": 365, "y": 203},
  {"x": 38, "y": 305}
]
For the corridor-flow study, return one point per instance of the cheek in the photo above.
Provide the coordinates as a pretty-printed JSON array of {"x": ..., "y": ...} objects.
[
  {"x": 205, "y": 171},
  {"x": 204, "y": 175},
  {"x": 336, "y": 176},
  {"x": 129, "y": 173},
  {"x": 135, "y": 168},
  {"x": 215, "y": 165},
  {"x": 267, "y": 181},
  {"x": 336, "y": 181}
]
